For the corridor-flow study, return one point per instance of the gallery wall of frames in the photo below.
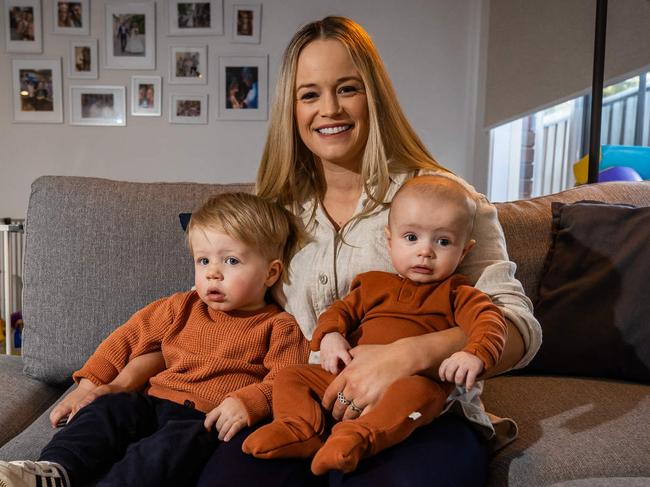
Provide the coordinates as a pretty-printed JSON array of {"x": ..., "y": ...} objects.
[{"x": 69, "y": 89}]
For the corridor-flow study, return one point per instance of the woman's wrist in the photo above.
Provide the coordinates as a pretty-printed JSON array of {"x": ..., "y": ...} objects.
[{"x": 425, "y": 353}]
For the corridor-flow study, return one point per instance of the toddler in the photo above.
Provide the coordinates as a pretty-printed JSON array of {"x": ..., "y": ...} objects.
[{"x": 222, "y": 345}]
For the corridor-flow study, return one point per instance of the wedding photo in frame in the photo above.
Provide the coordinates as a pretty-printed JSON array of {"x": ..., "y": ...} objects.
[
  {"x": 190, "y": 109},
  {"x": 195, "y": 18},
  {"x": 246, "y": 23},
  {"x": 97, "y": 105},
  {"x": 71, "y": 18},
  {"x": 23, "y": 26},
  {"x": 243, "y": 87},
  {"x": 130, "y": 36},
  {"x": 188, "y": 65},
  {"x": 82, "y": 59},
  {"x": 146, "y": 96},
  {"x": 37, "y": 90}
]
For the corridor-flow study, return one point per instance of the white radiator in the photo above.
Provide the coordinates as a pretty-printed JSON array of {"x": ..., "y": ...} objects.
[{"x": 11, "y": 274}]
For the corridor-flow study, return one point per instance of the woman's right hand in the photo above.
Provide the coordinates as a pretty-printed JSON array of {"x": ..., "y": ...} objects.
[{"x": 71, "y": 402}]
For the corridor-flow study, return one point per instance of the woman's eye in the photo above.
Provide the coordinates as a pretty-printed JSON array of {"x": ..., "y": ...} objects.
[
  {"x": 348, "y": 89},
  {"x": 231, "y": 261},
  {"x": 411, "y": 237},
  {"x": 308, "y": 96},
  {"x": 443, "y": 242},
  {"x": 203, "y": 261}
]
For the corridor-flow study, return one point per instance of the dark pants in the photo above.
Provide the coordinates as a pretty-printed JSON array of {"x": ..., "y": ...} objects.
[
  {"x": 132, "y": 439},
  {"x": 446, "y": 452}
]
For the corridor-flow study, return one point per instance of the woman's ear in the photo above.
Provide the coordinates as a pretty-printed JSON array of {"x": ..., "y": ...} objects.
[{"x": 274, "y": 273}]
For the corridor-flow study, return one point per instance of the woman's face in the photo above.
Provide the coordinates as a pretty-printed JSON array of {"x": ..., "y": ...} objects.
[{"x": 331, "y": 106}]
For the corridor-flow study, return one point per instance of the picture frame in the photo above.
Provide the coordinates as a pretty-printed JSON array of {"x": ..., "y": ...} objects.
[
  {"x": 97, "y": 105},
  {"x": 37, "y": 90},
  {"x": 246, "y": 23},
  {"x": 23, "y": 26},
  {"x": 82, "y": 59},
  {"x": 188, "y": 108},
  {"x": 243, "y": 87},
  {"x": 130, "y": 36},
  {"x": 71, "y": 17},
  {"x": 195, "y": 18},
  {"x": 188, "y": 65},
  {"x": 146, "y": 96}
]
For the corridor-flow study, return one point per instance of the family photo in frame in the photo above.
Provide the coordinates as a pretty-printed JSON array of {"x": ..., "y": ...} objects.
[
  {"x": 130, "y": 36},
  {"x": 247, "y": 22},
  {"x": 188, "y": 109},
  {"x": 195, "y": 18},
  {"x": 146, "y": 96},
  {"x": 82, "y": 59},
  {"x": 23, "y": 26},
  {"x": 37, "y": 91},
  {"x": 97, "y": 105},
  {"x": 243, "y": 87},
  {"x": 188, "y": 65},
  {"x": 71, "y": 18}
]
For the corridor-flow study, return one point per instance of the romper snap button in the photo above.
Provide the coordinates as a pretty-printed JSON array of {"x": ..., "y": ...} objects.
[{"x": 188, "y": 403}]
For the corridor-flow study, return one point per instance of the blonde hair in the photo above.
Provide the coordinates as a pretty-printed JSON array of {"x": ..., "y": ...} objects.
[
  {"x": 288, "y": 172},
  {"x": 445, "y": 189},
  {"x": 263, "y": 225}
]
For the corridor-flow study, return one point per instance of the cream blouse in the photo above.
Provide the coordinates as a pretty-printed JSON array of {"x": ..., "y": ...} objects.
[{"x": 323, "y": 270}]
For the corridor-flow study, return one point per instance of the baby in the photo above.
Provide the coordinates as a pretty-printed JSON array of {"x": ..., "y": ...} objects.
[
  {"x": 429, "y": 233},
  {"x": 222, "y": 344}
]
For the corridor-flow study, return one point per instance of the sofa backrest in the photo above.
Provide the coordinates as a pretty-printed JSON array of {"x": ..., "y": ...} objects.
[
  {"x": 97, "y": 251},
  {"x": 527, "y": 223}
]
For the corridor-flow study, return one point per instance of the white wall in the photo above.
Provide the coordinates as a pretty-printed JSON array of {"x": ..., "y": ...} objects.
[{"x": 430, "y": 48}]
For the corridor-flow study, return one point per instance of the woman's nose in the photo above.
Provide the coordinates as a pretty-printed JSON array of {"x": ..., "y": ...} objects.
[{"x": 330, "y": 105}]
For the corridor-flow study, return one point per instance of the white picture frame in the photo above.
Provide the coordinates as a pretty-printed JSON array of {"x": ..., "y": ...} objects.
[
  {"x": 37, "y": 90},
  {"x": 201, "y": 18},
  {"x": 23, "y": 26},
  {"x": 188, "y": 65},
  {"x": 243, "y": 87},
  {"x": 146, "y": 96},
  {"x": 188, "y": 108},
  {"x": 97, "y": 105},
  {"x": 127, "y": 47},
  {"x": 71, "y": 17},
  {"x": 246, "y": 23},
  {"x": 82, "y": 59}
]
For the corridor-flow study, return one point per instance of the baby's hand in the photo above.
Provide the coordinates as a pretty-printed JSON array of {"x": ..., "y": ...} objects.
[
  {"x": 94, "y": 394},
  {"x": 334, "y": 347},
  {"x": 461, "y": 368},
  {"x": 229, "y": 417}
]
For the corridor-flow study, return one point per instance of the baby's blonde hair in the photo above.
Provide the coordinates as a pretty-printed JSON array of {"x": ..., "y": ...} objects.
[
  {"x": 444, "y": 188},
  {"x": 261, "y": 224}
]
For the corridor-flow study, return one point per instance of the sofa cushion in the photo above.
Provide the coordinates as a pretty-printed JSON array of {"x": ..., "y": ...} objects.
[
  {"x": 22, "y": 399},
  {"x": 592, "y": 298},
  {"x": 569, "y": 428},
  {"x": 96, "y": 252},
  {"x": 527, "y": 223}
]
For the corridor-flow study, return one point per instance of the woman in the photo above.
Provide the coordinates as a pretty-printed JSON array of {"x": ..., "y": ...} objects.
[{"x": 337, "y": 150}]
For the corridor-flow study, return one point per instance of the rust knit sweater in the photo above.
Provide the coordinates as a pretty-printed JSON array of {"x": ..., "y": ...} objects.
[
  {"x": 382, "y": 307},
  {"x": 209, "y": 354}
]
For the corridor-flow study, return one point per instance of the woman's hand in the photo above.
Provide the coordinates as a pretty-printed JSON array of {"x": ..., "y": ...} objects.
[
  {"x": 70, "y": 402},
  {"x": 334, "y": 348},
  {"x": 372, "y": 369}
]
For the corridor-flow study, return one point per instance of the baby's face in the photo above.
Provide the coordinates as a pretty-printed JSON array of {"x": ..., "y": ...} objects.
[
  {"x": 427, "y": 237},
  {"x": 228, "y": 274}
]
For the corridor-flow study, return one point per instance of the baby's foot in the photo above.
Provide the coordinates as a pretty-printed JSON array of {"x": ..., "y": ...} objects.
[
  {"x": 342, "y": 451},
  {"x": 283, "y": 439}
]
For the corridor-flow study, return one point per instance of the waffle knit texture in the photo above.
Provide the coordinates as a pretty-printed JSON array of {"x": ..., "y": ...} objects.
[
  {"x": 209, "y": 355},
  {"x": 382, "y": 307}
]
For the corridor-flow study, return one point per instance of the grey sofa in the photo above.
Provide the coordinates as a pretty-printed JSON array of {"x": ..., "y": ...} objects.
[{"x": 97, "y": 250}]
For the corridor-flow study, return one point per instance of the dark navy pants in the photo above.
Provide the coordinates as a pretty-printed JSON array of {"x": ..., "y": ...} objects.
[
  {"x": 133, "y": 439},
  {"x": 446, "y": 452}
]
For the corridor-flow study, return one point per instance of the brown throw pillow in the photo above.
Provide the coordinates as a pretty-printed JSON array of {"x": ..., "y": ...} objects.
[{"x": 594, "y": 296}]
